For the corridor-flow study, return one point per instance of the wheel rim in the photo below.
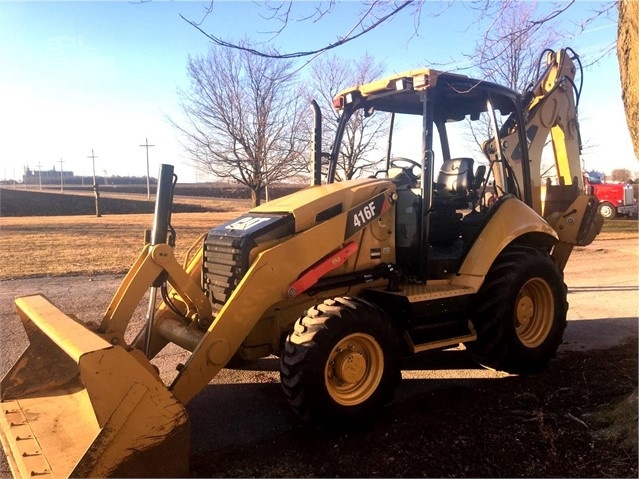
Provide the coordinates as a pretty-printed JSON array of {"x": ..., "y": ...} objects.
[
  {"x": 606, "y": 211},
  {"x": 534, "y": 312},
  {"x": 354, "y": 369}
]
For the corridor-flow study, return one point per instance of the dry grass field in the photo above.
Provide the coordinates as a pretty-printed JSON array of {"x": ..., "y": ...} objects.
[
  {"x": 48, "y": 233},
  {"x": 78, "y": 245}
]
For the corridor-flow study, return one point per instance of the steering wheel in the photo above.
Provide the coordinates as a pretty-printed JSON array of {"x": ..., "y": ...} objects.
[{"x": 397, "y": 162}]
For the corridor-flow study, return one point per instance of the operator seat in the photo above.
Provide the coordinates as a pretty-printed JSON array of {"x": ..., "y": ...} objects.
[
  {"x": 455, "y": 189},
  {"x": 454, "y": 183}
]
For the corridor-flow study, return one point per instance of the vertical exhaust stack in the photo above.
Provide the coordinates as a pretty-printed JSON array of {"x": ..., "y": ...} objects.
[
  {"x": 163, "y": 205},
  {"x": 316, "y": 147},
  {"x": 159, "y": 234}
]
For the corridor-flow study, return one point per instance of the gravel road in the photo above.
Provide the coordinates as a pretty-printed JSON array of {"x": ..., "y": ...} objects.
[{"x": 242, "y": 406}]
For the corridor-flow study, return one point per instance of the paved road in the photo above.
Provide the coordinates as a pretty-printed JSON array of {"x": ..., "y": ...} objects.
[{"x": 241, "y": 406}]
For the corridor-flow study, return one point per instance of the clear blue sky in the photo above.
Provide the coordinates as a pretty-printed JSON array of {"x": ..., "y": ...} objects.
[{"x": 77, "y": 76}]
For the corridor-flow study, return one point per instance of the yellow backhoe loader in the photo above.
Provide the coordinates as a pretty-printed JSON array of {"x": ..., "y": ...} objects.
[{"x": 340, "y": 280}]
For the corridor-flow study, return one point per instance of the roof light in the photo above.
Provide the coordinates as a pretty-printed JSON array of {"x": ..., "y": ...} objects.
[
  {"x": 404, "y": 84},
  {"x": 421, "y": 81}
]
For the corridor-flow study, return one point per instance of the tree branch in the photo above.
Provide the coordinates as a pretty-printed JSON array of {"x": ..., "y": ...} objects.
[{"x": 265, "y": 54}]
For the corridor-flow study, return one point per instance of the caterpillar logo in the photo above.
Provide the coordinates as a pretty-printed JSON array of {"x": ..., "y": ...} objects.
[{"x": 246, "y": 223}]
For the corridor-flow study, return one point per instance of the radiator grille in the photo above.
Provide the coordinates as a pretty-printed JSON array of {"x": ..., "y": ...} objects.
[
  {"x": 628, "y": 196},
  {"x": 227, "y": 249},
  {"x": 225, "y": 263}
]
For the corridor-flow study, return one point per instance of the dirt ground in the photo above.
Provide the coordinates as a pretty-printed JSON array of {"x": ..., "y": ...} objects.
[
  {"x": 547, "y": 425},
  {"x": 454, "y": 419},
  {"x": 450, "y": 417}
]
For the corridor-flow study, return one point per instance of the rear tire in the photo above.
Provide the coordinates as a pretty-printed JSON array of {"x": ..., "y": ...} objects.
[
  {"x": 341, "y": 363},
  {"x": 520, "y": 311},
  {"x": 607, "y": 210}
]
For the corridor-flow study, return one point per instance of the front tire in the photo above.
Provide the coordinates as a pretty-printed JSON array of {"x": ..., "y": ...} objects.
[
  {"x": 341, "y": 363},
  {"x": 607, "y": 210},
  {"x": 520, "y": 311}
]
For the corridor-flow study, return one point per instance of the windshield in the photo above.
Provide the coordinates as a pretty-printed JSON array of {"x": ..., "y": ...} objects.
[{"x": 594, "y": 178}]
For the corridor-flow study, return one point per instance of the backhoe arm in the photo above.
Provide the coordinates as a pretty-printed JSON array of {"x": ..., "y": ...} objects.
[
  {"x": 553, "y": 111},
  {"x": 550, "y": 111}
]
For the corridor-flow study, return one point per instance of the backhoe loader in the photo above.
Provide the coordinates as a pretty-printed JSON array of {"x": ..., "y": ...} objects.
[{"x": 341, "y": 279}]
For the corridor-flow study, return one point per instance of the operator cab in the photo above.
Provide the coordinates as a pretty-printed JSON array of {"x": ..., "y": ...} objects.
[{"x": 443, "y": 159}]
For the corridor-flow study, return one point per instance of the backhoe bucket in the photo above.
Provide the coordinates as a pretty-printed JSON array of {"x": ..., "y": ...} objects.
[{"x": 75, "y": 405}]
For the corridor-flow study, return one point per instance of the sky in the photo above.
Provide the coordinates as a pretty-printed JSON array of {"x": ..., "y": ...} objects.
[{"x": 77, "y": 77}]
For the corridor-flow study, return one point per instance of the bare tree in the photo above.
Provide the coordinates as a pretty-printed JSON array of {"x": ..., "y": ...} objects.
[
  {"x": 375, "y": 13},
  {"x": 621, "y": 174},
  {"x": 330, "y": 75},
  {"x": 508, "y": 55},
  {"x": 242, "y": 117}
]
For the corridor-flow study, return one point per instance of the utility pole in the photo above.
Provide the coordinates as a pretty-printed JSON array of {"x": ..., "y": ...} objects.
[
  {"x": 148, "y": 182},
  {"x": 61, "y": 176},
  {"x": 96, "y": 192},
  {"x": 93, "y": 157},
  {"x": 40, "y": 175}
]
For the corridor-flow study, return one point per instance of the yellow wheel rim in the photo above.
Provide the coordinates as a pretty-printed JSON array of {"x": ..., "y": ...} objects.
[
  {"x": 534, "y": 312},
  {"x": 354, "y": 369}
]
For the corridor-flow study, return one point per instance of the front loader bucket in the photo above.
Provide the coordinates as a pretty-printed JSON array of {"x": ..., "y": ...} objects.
[{"x": 74, "y": 405}]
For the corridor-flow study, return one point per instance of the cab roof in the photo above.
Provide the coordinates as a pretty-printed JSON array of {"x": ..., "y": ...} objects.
[{"x": 401, "y": 93}]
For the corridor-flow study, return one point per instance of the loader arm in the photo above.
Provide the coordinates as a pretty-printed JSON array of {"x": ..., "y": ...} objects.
[
  {"x": 153, "y": 261},
  {"x": 269, "y": 277}
]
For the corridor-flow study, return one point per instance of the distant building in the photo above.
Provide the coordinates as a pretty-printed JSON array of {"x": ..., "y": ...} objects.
[
  {"x": 52, "y": 177},
  {"x": 48, "y": 177}
]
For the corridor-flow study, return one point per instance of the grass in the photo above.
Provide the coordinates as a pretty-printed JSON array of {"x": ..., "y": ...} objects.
[
  {"x": 84, "y": 245},
  {"x": 619, "y": 228},
  {"x": 617, "y": 422}
]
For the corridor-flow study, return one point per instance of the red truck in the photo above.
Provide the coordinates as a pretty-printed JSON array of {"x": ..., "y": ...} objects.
[{"x": 614, "y": 198}]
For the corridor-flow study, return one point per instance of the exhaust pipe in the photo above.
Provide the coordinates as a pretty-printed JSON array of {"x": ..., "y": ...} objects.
[
  {"x": 316, "y": 147},
  {"x": 163, "y": 205},
  {"x": 159, "y": 234}
]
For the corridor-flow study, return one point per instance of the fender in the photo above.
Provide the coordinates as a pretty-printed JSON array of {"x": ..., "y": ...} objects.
[{"x": 511, "y": 220}]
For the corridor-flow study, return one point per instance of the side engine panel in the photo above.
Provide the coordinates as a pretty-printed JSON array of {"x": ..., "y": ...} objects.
[{"x": 227, "y": 251}]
